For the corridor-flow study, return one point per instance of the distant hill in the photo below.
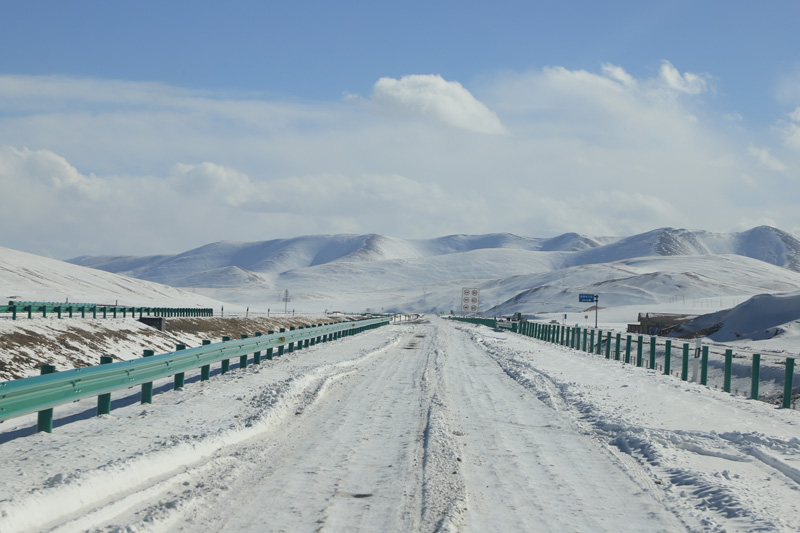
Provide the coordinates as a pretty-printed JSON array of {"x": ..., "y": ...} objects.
[
  {"x": 234, "y": 263},
  {"x": 644, "y": 281},
  {"x": 761, "y": 317},
  {"x": 283, "y": 255},
  {"x": 763, "y": 243}
]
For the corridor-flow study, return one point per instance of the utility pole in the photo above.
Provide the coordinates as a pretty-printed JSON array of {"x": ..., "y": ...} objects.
[
  {"x": 596, "y": 305},
  {"x": 286, "y": 301}
]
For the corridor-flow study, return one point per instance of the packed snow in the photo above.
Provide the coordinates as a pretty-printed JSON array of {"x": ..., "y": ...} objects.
[{"x": 419, "y": 426}]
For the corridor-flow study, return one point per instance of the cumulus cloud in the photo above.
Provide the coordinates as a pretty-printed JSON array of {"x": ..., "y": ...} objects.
[
  {"x": 432, "y": 97},
  {"x": 213, "y": 181},
  {"x": 45, "y": 168}
]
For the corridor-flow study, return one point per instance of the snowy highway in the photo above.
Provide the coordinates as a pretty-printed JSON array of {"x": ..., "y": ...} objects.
[{"x": 422, "y": 426}]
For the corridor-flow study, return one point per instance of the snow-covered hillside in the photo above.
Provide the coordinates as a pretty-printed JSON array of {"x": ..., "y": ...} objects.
[
  {"x": 34, "y": 278},
  {"x": 278, "y": 256},
  {"x": 760, "y": 318}
]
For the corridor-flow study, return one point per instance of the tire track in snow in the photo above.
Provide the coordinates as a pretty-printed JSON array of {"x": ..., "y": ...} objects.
[
  {"x": 691, "y": 471},
  {"x": 139, "y": 487},
  {"x": 370, "y": 452},
  {"x": 526, "y": 465}
]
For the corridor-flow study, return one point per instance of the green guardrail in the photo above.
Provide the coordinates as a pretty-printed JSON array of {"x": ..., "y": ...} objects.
[
  {"x": 97, "y": 310},
  {"x": 42, "y": 393},
  {"x": 585, "y": 340}
]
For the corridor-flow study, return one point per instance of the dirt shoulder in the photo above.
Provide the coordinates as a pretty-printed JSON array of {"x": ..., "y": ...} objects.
[{"x": 25, "y": 345}]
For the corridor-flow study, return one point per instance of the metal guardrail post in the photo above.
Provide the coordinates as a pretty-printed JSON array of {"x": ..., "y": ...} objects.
[
  {"x": 291, "y": 344},
  {"x": 257, "y": 355},
  {"x": 787, "y": 383},
  {"x": 205, "y": 370},
  {"x": 269, "y": 350},
  {"x": 44, "y": 420},
  {"x": 617, "y": 347},
  {"x": 639, "y": 347},
  {"x": 225, "y": 364},
  {"x": 179, "y": 377},
  {"x": 756, "y": 376},
  {"x": 628, "y": 350},
  {"x": 667, "y": 357},
  {"x": 280, "y": 348},
  {"x": 685, "y": 363},
  {"x": 652, "y": 353},
  {"x": 243, "y": 358},
  {"x": 726, "y": 381},
  {"x": 147, "y": 388},
  {"x": 704, "y": 366},
  {"x": 104, "y": 400}
]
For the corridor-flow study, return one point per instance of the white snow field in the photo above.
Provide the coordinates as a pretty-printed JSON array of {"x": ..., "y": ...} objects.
[{"x": 419, "y": 426}]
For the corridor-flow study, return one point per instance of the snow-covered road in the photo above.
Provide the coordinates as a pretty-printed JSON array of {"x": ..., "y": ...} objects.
[{"x": 421, "y": 426}]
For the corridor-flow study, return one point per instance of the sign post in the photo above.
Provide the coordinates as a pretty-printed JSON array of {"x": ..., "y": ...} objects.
[{"x": 582, "y": 297}]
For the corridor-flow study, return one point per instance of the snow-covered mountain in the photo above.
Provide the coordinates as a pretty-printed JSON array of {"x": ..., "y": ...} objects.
[
  {"x": 280, "y": 256},
  {"x": 764, "y": 243}
]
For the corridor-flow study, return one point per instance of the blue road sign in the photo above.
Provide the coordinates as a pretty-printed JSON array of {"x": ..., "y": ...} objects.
[{"x": 586, "y": 297}]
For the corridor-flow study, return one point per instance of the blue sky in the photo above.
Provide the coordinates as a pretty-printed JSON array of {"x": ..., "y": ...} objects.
[{"x": 412, "y": 120}]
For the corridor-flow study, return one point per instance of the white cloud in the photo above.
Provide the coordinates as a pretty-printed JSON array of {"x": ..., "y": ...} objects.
[
  {"x": 792, "y": 136},
  {"x": 433, "y": 97},
  {"x": 44, "y": 168},
  {"x": 618, "y": 73},
  {"x": 213, "y": 181},
  {"x": 595, "y": 152},
  {"x": 766, "y": 159},
  {"x": 791, "y": 130},
  {"x": 687, "y": 82}
]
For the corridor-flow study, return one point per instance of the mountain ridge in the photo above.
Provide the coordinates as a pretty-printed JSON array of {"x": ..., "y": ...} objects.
[{"x": 279, "y": 256}]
